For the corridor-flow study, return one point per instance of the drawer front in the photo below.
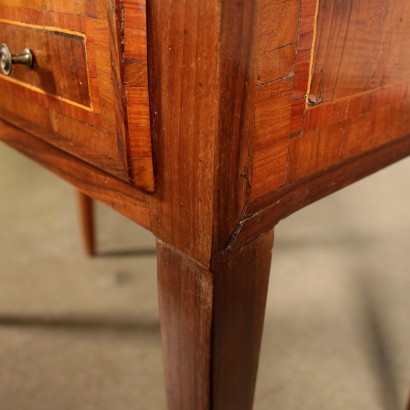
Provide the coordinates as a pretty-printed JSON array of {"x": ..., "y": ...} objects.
[
  {"x": 75, "y": 95},
  {"x": 54, "y": 74}
]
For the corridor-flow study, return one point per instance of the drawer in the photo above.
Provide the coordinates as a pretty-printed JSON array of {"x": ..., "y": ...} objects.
[{"x": 87, "y": 91}]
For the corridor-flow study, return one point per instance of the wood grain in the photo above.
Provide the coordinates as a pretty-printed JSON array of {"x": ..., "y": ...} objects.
[
  {"x": 76, "y": 95},
  {"x": 202, "y": 143},
  {"x": 217, "y": 93},
  {"x": 184, "y": 103},
  {"x": 267, "y": 211},
  {"x": 358, "y": 85},
  {"x": 140, "y": 144},
  {"x": 211, "y": 323},
  {"x": 90, "y": 134},
  {"x": 332, "y": 144},
  {"x": 55, "y": 53},
  {"x": 365, "y": 51},
  {"x": 93, "y": 9},
  {"x": 240, "y": 289},
  {"x": 236, "y": 93},
  {"x": 230, "y": 123},
  {"x": 270, "y": 148},
  {"x": 185, "y": 305}
]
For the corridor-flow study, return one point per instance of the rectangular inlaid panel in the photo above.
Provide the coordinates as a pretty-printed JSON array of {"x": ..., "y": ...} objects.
[
  {"x": 90, "y": 56},
  {"x": 60, "y": 68},
  {"x": 333, "y": 81},
  {"x": 360, "y": 46}
]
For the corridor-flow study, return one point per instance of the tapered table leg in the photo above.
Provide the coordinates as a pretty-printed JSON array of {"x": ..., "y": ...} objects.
[
  {"x": 86, "y": 206},
  {"x": 211, "y": 323}
]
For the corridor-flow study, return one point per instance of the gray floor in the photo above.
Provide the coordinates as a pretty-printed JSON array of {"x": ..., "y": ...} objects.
[{"x": 80, "y": 334}]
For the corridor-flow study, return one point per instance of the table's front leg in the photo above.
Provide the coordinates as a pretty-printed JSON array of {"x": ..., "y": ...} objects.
[{"x": 211, "y": 322}]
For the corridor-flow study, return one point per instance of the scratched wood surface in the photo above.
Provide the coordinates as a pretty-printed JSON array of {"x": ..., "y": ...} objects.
[
  {"x": 75, "y": 97},
  {"x": 352, "y": 60}
]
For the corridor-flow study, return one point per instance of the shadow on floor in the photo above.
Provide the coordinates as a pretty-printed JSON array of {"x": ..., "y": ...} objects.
[
  {"x": 121, "y": 253},
  {"x": 380, "y": 347}
]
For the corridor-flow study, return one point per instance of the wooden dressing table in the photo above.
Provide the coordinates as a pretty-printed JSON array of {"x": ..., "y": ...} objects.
[{"x": 207, "y": 122}]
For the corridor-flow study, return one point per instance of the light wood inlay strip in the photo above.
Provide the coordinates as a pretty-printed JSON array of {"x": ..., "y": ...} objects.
[
  {"x": 43, "y": 27},
  {"x": 40, "y": 91},
  {"x": 312, "y": 54}
]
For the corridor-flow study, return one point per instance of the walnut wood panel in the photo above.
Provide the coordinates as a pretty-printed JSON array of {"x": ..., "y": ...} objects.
[
  {"x": 75, "y": 97},
  {"x": 345, "y": 91}
]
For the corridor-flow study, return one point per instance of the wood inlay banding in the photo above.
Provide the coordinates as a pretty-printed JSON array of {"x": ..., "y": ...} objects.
[
  {"x": 346, "y": 90},
  {"x": 55, "y": 53},
  {"x": 276, "y": 45},
  {"x": 136, "y": 87},
  {"x": 303, "y": 64},
  {"x": 90, "y": 57}
]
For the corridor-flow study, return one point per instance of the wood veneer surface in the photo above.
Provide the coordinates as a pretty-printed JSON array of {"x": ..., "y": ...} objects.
[
  {"x": 352, "y": 59},
  {"x": 78, "y": 96}
]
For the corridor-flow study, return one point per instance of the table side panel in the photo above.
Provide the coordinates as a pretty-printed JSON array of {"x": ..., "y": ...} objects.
[{"x": 351, "y": 60}]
